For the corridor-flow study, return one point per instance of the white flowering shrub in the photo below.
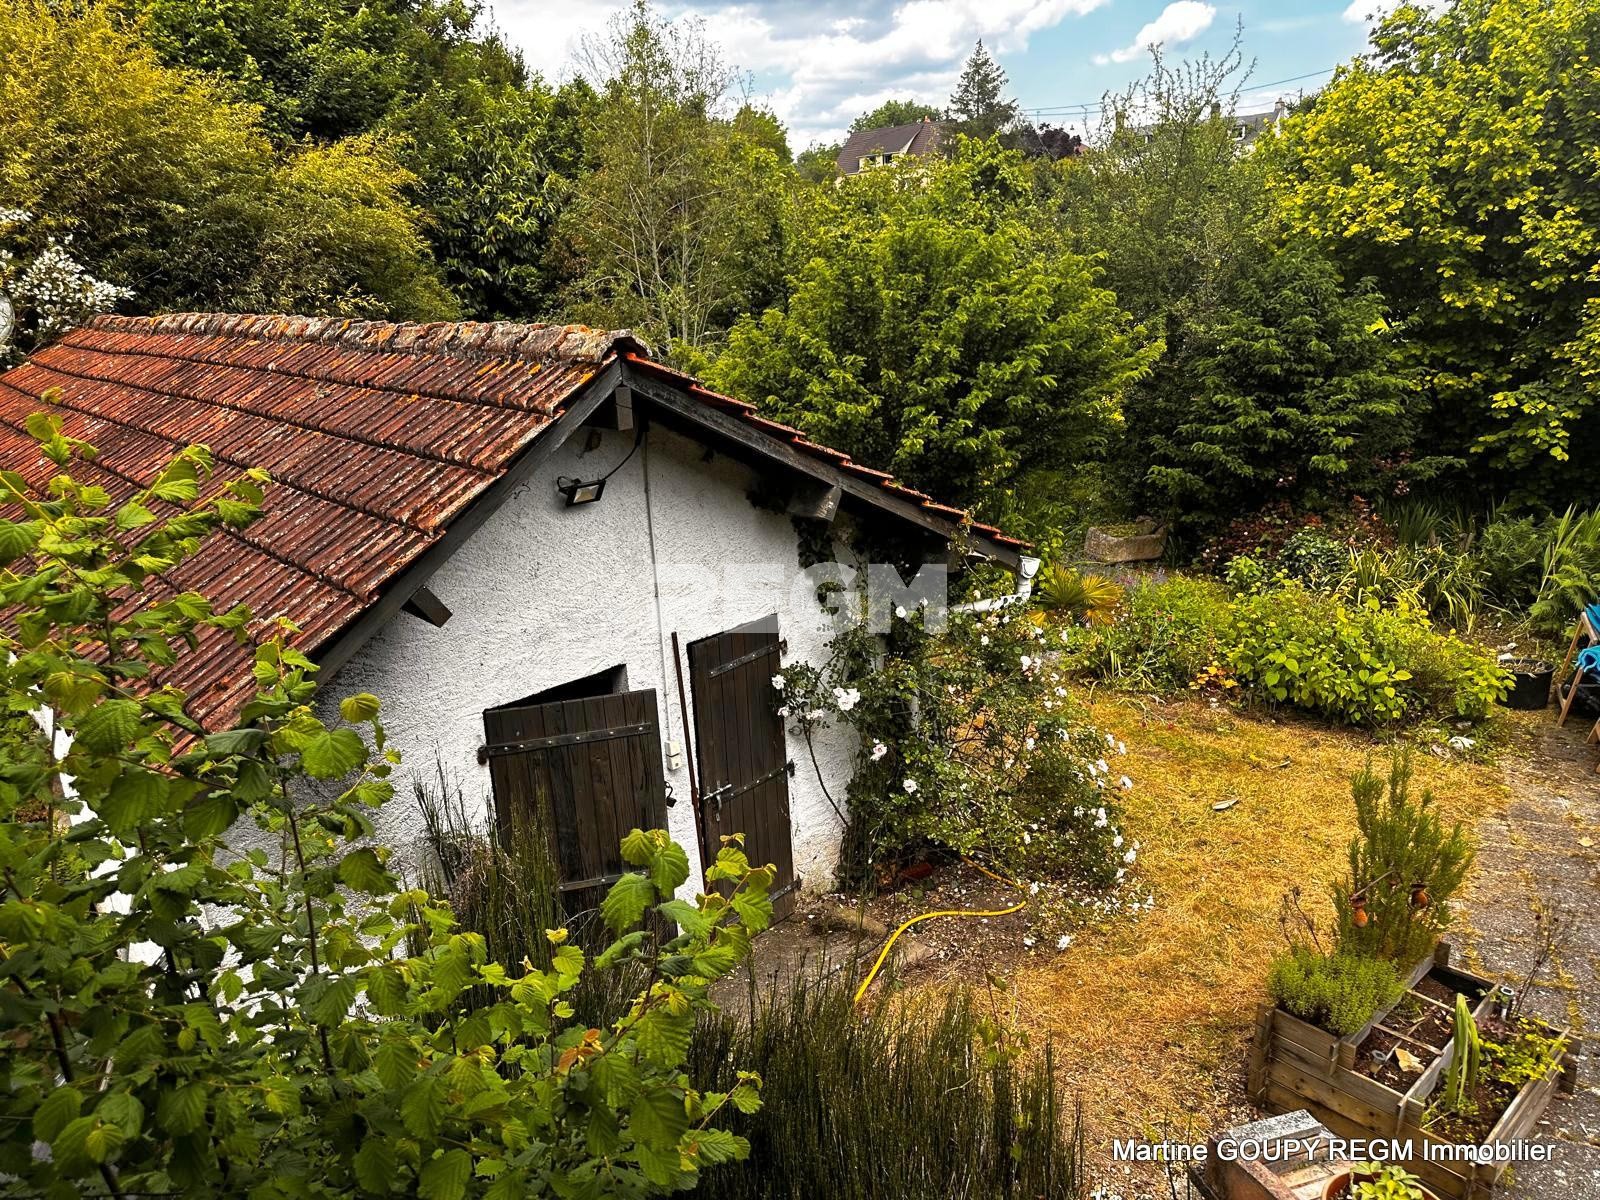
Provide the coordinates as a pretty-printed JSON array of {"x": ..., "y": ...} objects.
[
  {"x": 47, "y": 293},
  {"x": 970, "y": 744}
]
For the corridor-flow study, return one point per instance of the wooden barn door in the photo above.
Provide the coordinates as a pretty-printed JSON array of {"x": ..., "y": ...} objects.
[
  {"x": 744, "y": 774},
  {"x": 585, "y": 770}
]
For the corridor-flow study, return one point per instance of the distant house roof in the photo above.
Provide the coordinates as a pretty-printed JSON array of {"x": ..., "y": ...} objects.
[
  {"x": 386, "y": 444},
  {"x": 918, "y": 138},
  {"x": 1248, "y": 127}
]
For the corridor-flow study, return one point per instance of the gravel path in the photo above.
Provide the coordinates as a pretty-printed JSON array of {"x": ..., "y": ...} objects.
[{"x": 1544, "y": 852}]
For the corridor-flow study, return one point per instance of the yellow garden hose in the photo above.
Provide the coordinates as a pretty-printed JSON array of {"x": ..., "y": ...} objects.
[{"x": 948, "y": 912}]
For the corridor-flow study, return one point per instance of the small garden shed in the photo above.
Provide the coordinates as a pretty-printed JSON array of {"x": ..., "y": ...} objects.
[{"x": 569, "y": 571}]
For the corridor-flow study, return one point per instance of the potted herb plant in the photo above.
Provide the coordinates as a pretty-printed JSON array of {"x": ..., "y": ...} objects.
[{"x": 1376, "y": 1181}]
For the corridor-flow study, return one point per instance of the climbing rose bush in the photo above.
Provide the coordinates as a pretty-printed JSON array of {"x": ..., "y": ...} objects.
[
  {"x": 184, "y": 1021},
  {"x": 47, "y": 293},
  {"x": 972, "y": 744}
]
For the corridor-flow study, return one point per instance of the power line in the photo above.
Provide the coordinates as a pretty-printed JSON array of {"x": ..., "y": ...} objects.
[{"x": 1088, "y": 106}]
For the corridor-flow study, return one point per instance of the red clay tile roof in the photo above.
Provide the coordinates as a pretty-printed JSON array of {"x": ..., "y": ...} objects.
[{"x": 376, "y": 436}]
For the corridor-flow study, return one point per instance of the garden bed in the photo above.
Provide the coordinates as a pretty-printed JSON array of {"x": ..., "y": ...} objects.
[{"x": 1356, "y": 1086}]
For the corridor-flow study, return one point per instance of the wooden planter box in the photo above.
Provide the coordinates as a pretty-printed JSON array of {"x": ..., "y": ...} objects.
[
  {"x": 1295, "y": 1064},
  {"x": 1143, "y": 546}
]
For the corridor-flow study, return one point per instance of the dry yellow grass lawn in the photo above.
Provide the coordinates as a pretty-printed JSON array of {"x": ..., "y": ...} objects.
[{"x": 1151, "y": 1018}]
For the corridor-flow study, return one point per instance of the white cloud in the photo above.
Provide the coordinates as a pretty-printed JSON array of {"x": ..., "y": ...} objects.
[
  {"x": 1179, "y": 22},
  {"x": 834, "y": 62}
]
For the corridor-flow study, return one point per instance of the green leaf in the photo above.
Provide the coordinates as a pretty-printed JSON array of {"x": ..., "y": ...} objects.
[
  {"x": 361, "y": 871},
  {"x": 134, "y": 515},
  {"x": 708, "y": 1147},
  {"x": 363, "y": 706},
  {"x": 664, "y": 1037},
  {"x": 109, "y": 726},
  {"x": 331, "y": 753},
  {"x": 182, "y": 1109},
  {"x": 55, "y": 1111},
  {"x": 422, "y": 1107},
  {"x": 375, "y": 1164},
  {"x": 445, "y": 1177},
  {"x": 18, "y": 538},
  {"x": 396, "y": 1064},
  {"x": 235, "y": 741},
  {"x": 657, "y": 1118},
  {"x": 122, "y": 1110},
  {"x": 625, "y": 903},
  {"x": 670, "y": 868}
]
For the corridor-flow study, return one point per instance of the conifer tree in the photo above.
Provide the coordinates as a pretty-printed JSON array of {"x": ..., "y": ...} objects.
[{"x": 979, "y": 107}]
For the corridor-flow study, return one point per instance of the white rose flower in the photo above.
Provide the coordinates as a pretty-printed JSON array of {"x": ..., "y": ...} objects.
[
  {"x": 1126, "y": 784},
  {"x": 778, "y": 681},
  {"x": 910, "y": 786},
  {"x": 1117, "y": 841},
  {"x": 878, "y": 751},
  {"x": 1063, "y": 941},
  {"x": 1026, "y": 662},
  {"x": 1130, "y": 856},
  {"x": 900, "y": 610}
]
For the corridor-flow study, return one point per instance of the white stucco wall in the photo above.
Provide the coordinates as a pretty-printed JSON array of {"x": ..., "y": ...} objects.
[{"x": 543, "y": 594}]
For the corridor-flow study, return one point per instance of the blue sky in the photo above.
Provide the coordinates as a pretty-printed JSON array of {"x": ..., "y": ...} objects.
[{"x": 818, "y": 63}]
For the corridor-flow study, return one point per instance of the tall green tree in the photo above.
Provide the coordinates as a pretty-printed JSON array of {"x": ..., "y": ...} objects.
[
  {"x": 1277, "y": 376},
  {"x": 491, "y": 150},
  {"x": 932, "y": 330},
  {"x": 679, "y": 226},
  {"x": 1456, "y": 166},
  {"x": 1287, "y": 388},
  {"x": 979, "y": 107}
]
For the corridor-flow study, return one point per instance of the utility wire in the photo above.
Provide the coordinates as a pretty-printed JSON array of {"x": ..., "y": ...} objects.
[{"x": 1051, "y": 110}]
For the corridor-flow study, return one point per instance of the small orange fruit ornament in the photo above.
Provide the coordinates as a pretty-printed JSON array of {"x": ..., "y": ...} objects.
[
  {"x": 1358, "y": 911},
  {"x": 1419, "y": 895}
]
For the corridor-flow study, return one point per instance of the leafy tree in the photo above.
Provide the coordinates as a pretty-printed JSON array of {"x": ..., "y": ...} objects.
[
  {"x": 979, "y": 106},
  {"x": 493, "y": 168},
  {"x": 679, "y": 225},
  {"x": 491, "y": 151},
  {"x": 1456, "y": 167},
  {"x": 1289, "y": 387},
  {"x": 1277, "y": 374},
  {"x": 819, "y": 163},
  {"x": 171, "y": 189},
  {"x": 930, "y": 330},
  {"x": 188, "y": 1021},
  {"x": 895, "y": 112}
]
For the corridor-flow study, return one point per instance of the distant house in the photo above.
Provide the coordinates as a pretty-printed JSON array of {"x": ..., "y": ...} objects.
[
  {"x": 1248, "y": 127},
  {"x": 878, "y": 147},
  {"x": 570, "y": 571}
]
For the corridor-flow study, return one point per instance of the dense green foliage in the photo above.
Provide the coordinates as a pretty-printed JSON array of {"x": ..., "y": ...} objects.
[
  {"x": 1456, "y": 168},
  {"x": 190, "y": 1018},
  {"x": 170, "y": 188},
  {"x": 1363, "y": 663},
  {"x": 931, "y": 331},
  {"x": 1338, "y": 992}
]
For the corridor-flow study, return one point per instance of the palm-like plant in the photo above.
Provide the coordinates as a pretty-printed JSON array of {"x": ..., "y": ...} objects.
[{"x": 1078, "y": 594}]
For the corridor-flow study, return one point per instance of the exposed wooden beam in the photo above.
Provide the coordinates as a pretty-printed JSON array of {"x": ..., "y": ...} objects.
[
  {"x": 728, "y": 428},
  {"x": 816, "y": 500},
  {"x": 423, "y": 603}
]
